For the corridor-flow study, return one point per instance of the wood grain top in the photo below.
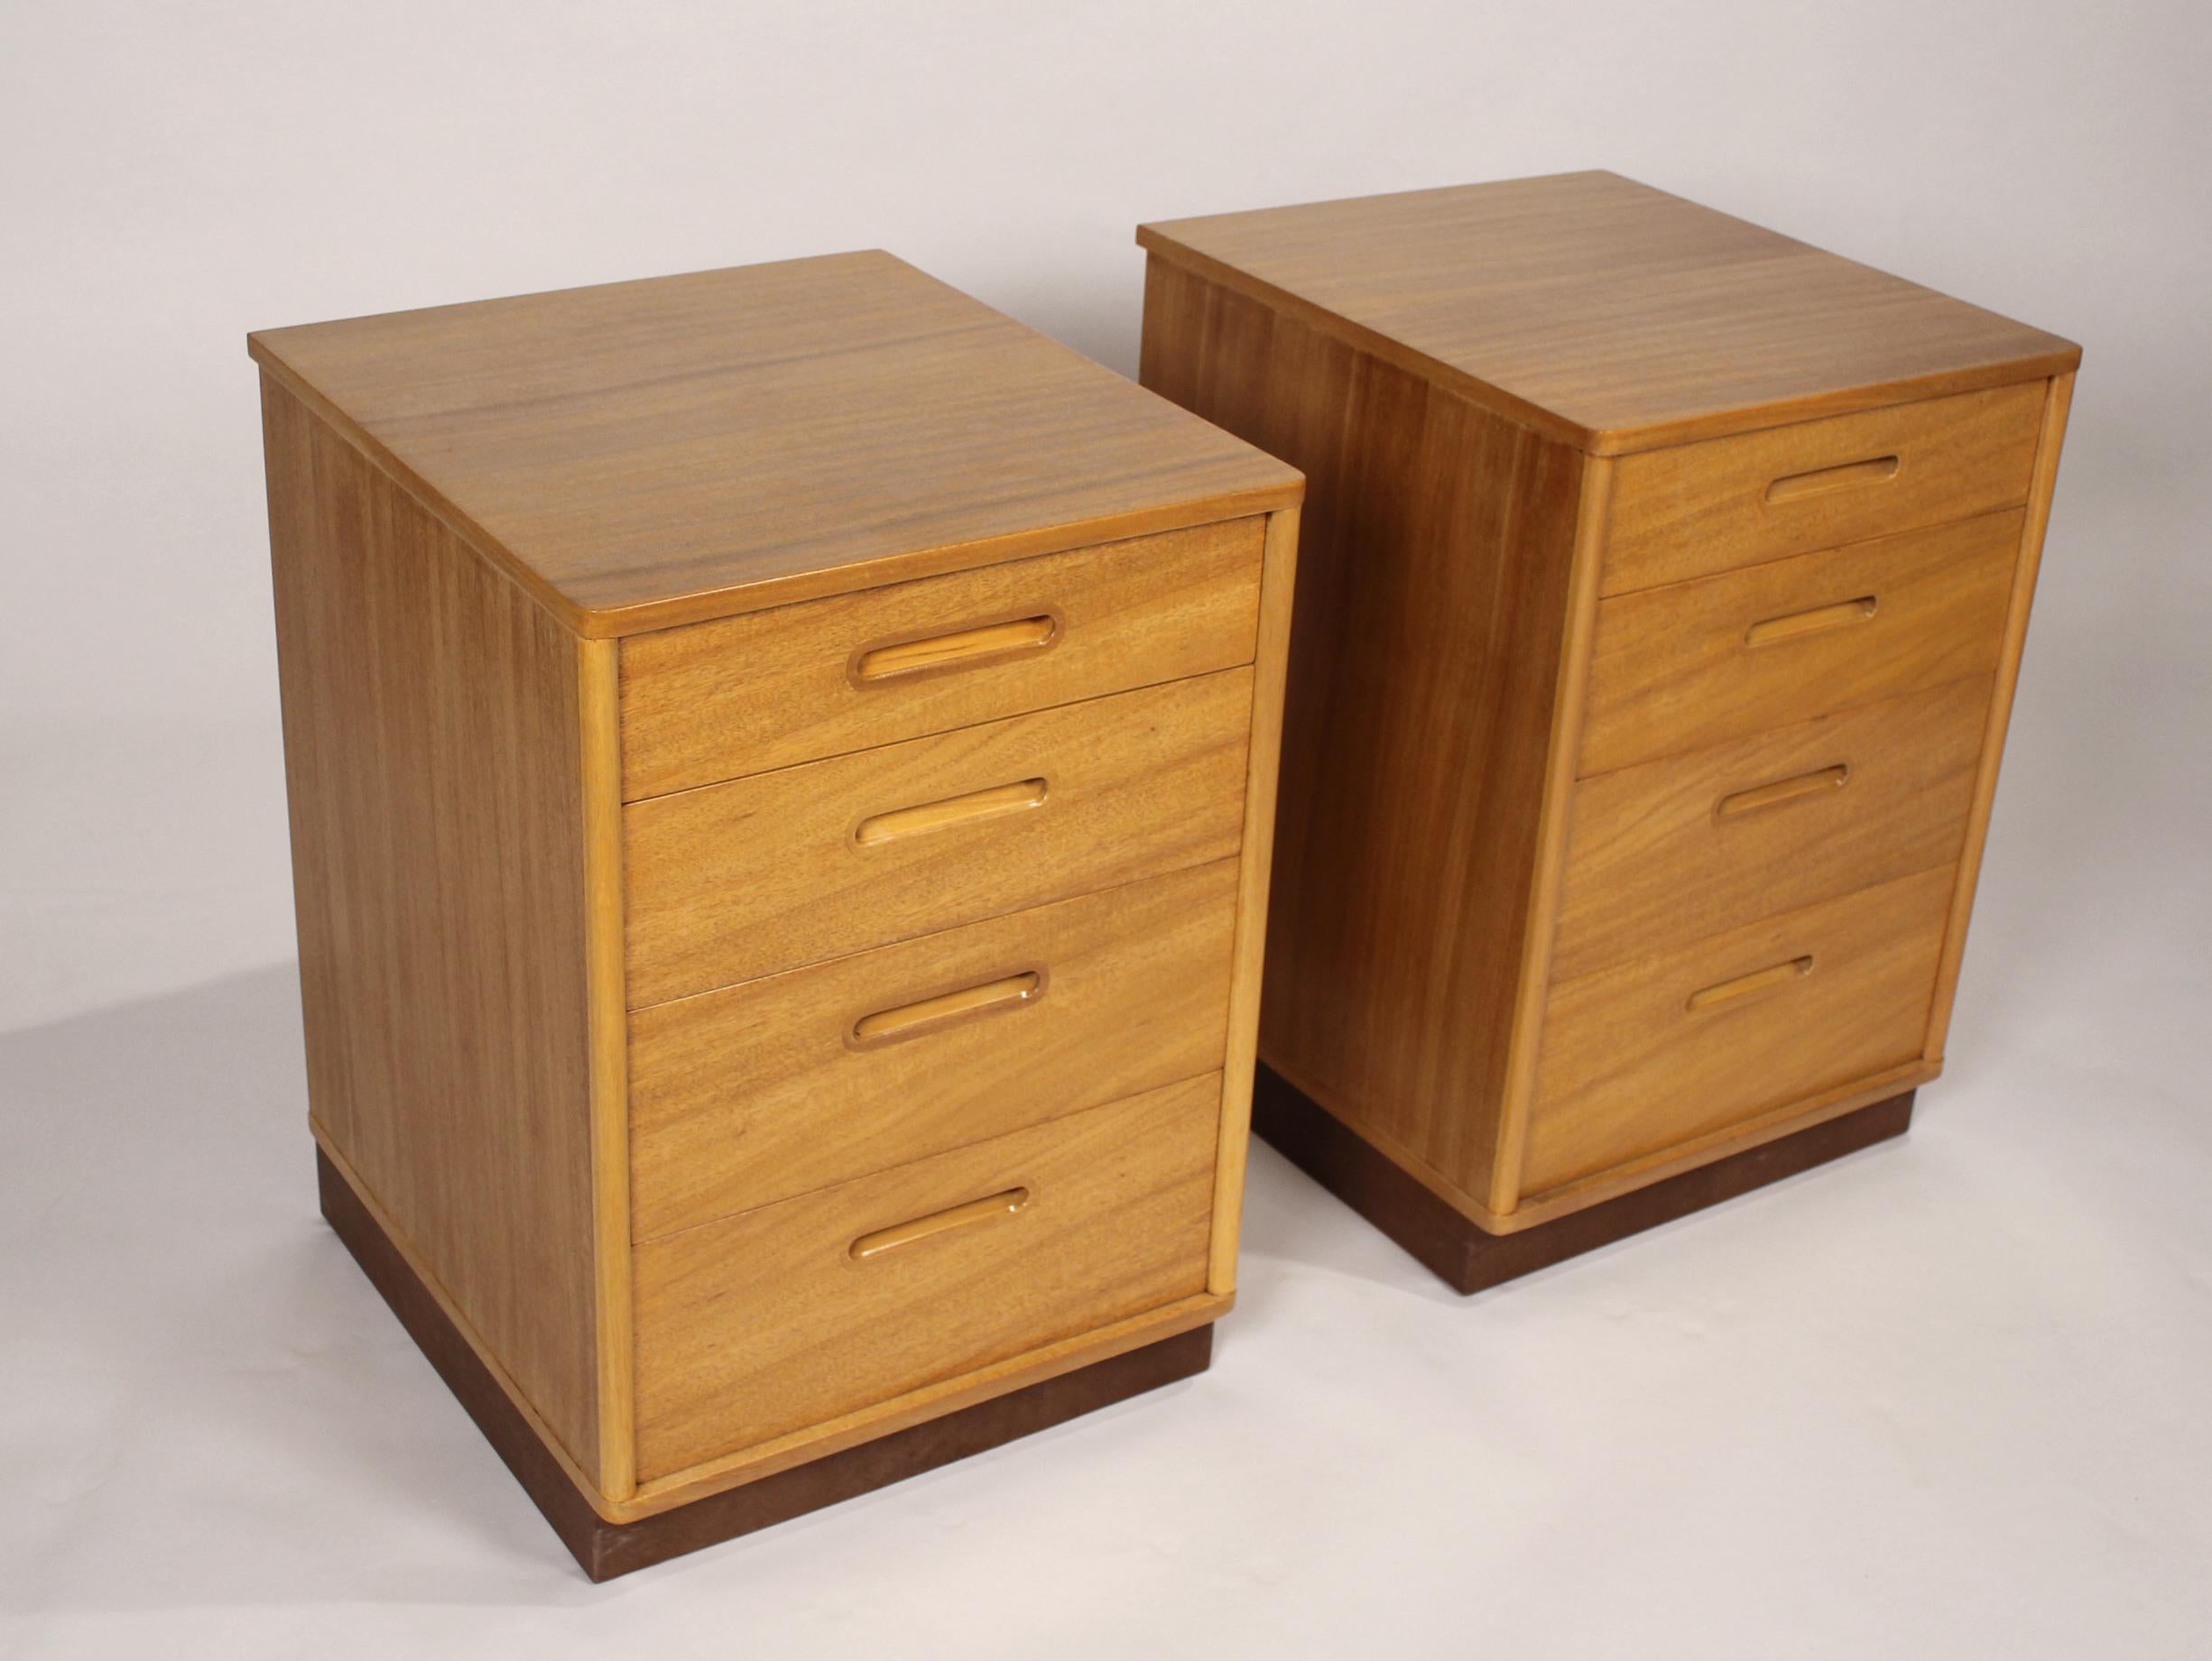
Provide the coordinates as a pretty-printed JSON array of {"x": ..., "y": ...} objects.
[
  {"x": 1606, "y": 313},
  {"x": 644, "y": 454}
]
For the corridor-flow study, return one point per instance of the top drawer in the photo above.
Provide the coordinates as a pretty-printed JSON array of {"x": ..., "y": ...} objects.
[
  {"x": 1700, "y": 508},
  {"x": 742, "y": 695}
]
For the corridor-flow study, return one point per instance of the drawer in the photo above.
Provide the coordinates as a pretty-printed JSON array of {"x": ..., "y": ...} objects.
[
  {"x": 1688, "y": 665},
  {"x": 756, "y": 1092},
  {"x": 740, "y": 695},
  {"x": 1667, "y": 853},
  {"x": 793, "y": 1313},
  {"x": 1700, "y": 508},
  {"x": 1658, "y": 1051},
  {"x": 740, "y": 880}
]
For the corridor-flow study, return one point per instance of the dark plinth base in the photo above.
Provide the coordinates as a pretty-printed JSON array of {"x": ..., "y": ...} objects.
[
  {"x": 607, "y": 1549},
  {"x": 1467, "y": 1257}
]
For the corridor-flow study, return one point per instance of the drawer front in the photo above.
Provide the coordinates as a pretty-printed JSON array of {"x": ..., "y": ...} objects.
[
  {"x": 1659, "y": 1051},
  {"x": 1700, "y": 508},
  {"x": 798, "y": 1311},
  {"x": 753, "y": 1093},
  {"x": 1668, "y": 853},
  {"x": 740, "y": 880},
  {"x": 1689, "y": 665},
  {"x": 741, "y": 696}
]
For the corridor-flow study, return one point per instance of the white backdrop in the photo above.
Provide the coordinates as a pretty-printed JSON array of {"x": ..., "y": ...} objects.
[{"x": 1946, "y": 1400}]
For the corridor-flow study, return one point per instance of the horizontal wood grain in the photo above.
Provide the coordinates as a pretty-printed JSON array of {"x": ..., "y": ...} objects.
[
  {"x": 644, "y": 454},
  {"x": 766, "y": 873},
  {"x": 1604, "y": 313},
  {"x": 757, "y": 1325},
  {"x": 922, "y": 1017},
  {"x": 1693, "y": 663},
  {"x": 1700, "y": 508},
  {"x": 979, "y": 1411},
  {"x": 1666, "y": 1048},
  {"x": 756, "y": 1093},
  {"x": 1654, "y": 585},
  {"x": 866, "y": 687},
  {"x": 742, "y": 694},
  {"x": 1653, "y": 863}
]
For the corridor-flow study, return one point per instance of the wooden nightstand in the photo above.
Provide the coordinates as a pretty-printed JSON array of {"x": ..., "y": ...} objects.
[
  {"x": 782, "y": 764},
  {"x": 1665, "y": 583}
]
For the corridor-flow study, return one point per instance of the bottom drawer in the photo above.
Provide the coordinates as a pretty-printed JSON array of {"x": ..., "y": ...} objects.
[
  {"x": 795, "y": 1312},
  {"x": 1663, "y": 1049}
]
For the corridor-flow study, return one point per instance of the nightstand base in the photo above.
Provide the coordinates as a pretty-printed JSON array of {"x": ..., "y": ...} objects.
[
  {"x": 1469, "y": 1258},
  {"x": 607, "y": 1549}
]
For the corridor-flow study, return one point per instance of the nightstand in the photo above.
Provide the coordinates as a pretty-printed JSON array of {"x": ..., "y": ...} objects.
[
  {"x": 1665, "y": 582},
  {"x": 782, "y": 764}
]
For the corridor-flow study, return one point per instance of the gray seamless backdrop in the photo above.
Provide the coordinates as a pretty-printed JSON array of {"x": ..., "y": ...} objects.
[{"x": 1943, "y": 1400}]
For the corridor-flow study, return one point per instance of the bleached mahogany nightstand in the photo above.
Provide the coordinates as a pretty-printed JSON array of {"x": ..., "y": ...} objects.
[
  {"x": 1664, "y": 587},
  {"x": 782, "y": 764}
]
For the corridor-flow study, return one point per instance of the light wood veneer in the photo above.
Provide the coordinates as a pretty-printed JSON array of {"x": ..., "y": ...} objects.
[
  {"x": 1662, "y": 596},
  {"x": 789, "y": 1315},
  {"x": 740, "y": 880},
  {"x": 1692, "y": 663},
  {"x": 761, "y": 1091},
  {"x": 719, "y": 700},
  {"x": 782, "y": 769},
  {"x": 1659, "y": 852}
]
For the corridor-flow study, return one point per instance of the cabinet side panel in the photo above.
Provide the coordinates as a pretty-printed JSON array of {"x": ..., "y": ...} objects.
[
  {"x": 433, "y": 760},
  {"x": 1435, "y": 549}
]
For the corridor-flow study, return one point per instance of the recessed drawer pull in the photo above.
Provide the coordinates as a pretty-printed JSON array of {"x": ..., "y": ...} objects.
[
  {"x": 1821, "y": 620},
  {"x": 961, "y": 649},
  {"x": 1874, "y": 470},
  {"x": 1001, "y": 1205},
  {"x": 1755, "y": 984},
  {"x": 925, "y": 1015},
  {"x": 1783, "y": 790},
  {"x": 991, "y": 804}
]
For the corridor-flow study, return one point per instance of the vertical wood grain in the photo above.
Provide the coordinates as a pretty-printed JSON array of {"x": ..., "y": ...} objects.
[
  {"x": 2057, "y": 400},
  {"x": 1436, "y": 543},
  {"x": 434, "y": 764},
  {"x": 1277, "y": 583},
  {"x": 599, "y": 721},
  {"x": 1561, "y": 756}
]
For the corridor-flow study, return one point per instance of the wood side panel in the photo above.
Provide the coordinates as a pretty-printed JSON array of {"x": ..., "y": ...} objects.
[
  {"x": 1661, "y": 857},
  {"x": 434, "y": 757},
  {"x": 2058, "y": 398},
  {"x": 769, "y": 873},
  {"x": 755, "y": 1093},
  {"x": 1436, "y": 544},
  {"x": 1696, "y": 663},
  {"x": 758, "y": 1325},
  {"x": 767, "y": 689}
]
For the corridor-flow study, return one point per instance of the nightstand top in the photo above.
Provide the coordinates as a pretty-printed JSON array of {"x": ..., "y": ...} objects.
[
  {"x": 645, "y": 454},
  {"x": 1605, "y": 313}
]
